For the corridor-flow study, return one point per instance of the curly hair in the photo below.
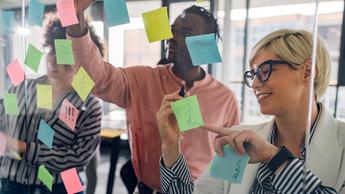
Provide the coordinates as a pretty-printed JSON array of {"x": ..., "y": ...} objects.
[{"x": 54, "y": 30}]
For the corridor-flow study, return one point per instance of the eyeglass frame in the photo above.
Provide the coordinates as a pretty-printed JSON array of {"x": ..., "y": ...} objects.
[{"x": 255, "y": 72}]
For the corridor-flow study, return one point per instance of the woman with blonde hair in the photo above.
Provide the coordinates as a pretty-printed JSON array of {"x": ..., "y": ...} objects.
[{"x": 279, "y": 75}]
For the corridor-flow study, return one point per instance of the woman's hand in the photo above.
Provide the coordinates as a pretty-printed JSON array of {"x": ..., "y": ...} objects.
[
  {"x": 168, "y": 130},
  {"x": 244, "y": 141},
  {"x": 167, "y": 124},
  {"x": 14, "y": 144}
]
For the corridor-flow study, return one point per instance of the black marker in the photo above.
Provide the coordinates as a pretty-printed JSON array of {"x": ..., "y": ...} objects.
[{"x": 181, "y": 93}]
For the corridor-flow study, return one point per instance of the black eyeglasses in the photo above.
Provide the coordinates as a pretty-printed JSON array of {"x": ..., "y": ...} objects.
[{"x": 263, "y": 72}]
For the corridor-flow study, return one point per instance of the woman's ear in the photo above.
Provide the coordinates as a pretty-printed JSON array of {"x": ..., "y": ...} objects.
[{"x": 307, "y": 70}]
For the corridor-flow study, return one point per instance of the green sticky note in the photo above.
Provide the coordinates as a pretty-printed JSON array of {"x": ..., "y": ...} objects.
[
  {"x": 11, "y": 104},
  {"x": 45, "y": 177},
  {"x": 230, "y": 167},
  {"x": 44, "y": 96},
  {"x": 157, "y": 25},
  {"x": 64, "y": 53},
  {"x": 82, "y": 83},
  {"x": 187, "y": 113},
  {"x": 33, "y": 58}
]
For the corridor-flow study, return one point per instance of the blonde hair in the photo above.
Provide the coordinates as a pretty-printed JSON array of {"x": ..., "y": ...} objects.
[{"x": 295, "y": 47}]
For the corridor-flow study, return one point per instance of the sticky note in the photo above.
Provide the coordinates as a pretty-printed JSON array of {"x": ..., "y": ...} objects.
[
  {"x": 7, "y": 22},
  {"x": 33, "y": 58},
  {"x": 11, "y": 104},
  {"x": 200, "y": 0},
  {"x": 66, "y": 12},
  {"x": 157, "y": 25},
  {"x": 44, "y": 96},
  {"x": 46, "y": 134},
  {"x": 116, "y": 12},
  {"x": 3, "y": 141},
  {"x": 71, "y": 181},
  {"x": 82, "y": 83},
  {"x": 187, "y": 113},
  {"x": 230, "y": 167},
  {"x": 64, "y": 53},
  {"x": 16, "y": 72},
  {"x": 203, "y": 49},
  {"x": 45, "y": 177},
  {"x": 68, "y": 114},
  {"x": 36, "y": 12}
]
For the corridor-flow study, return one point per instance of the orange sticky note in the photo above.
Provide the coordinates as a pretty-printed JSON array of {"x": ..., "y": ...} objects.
[
  {"x": 71, "y": 181},
  {"x": 16, "y": 72},
  {"x": 66, "y": 12},
  {"x": 68, "y": 114}
]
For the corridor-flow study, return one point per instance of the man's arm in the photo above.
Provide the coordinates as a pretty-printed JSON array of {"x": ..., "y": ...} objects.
[{"x": 111, "y": 84}]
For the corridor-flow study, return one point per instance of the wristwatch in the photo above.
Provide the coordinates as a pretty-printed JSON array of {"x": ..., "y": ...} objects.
[{"x": 283, "y": 155}]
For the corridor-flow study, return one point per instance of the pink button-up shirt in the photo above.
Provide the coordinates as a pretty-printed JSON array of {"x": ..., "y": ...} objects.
[{"x": 140, "y": 91}]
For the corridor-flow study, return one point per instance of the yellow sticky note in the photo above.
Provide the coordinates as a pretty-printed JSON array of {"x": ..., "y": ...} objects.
[
  {"x": 200, "y": 0},
  {"x": 157, "y": 25},
  {"x": 82, "y": 83},
  {"x": 44, "y": 96}
]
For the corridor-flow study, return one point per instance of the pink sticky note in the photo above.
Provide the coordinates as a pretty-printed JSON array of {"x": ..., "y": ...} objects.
[
  {"x": 2, "y": 144},
  {"x": 66, "y": 12},
  {"x": 68, "y": 114},
  {"x": 71, "y": 181},
  {"x": 16, "y": 72}
]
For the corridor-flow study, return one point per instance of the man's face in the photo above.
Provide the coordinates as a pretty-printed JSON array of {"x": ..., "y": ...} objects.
[{"x": 185, "y": 25}]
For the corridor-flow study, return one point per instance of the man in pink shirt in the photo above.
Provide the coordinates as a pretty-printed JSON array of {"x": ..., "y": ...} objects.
[{"x": 140, "y": 91}]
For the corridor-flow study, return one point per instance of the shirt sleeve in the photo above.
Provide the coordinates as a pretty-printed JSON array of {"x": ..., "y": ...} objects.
[
  {"x": 76, "y": 155},
  {"x": 291, "y": 180},
  {"x": 111, "y": 84},
  {"x": 177, "y": 179}
]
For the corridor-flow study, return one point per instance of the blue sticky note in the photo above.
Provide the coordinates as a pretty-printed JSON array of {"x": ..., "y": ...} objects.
[
  {"x": 36, "y": 12},
  {"x": 7, "y": 22},
  {"x": 203, "y": 49},
  {"x": 230, "y": 167},
  {"x": 46, "y": 134},
  {"x": 116, "y": 12}
]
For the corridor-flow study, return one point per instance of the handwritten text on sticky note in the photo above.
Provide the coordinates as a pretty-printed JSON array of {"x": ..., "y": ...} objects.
[
  {"x": 203, "y": 49},
  {"x": 68, "y": 114},
  {"x": 230, "y": 167},
  {"x": 64, "y": 53},
  {"x": 187, "y": 113},
  {"x": 82, "y": 83}
]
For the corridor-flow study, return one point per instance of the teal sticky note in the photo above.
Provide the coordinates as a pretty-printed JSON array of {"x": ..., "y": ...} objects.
[
  {"x": 46, "y": 134},
  {"x": 116, "y": 12},
  {"x": 230, "y": 167},
  {"x": 11, "y": 104},
  {"x": 187, "y": 113},
  {"x": 33, "y": 58},
  {"x": 203, "y": 49},
  {"x": 7, "y": 22},
  {"x": 36, "y": 12},
  {"x": 64, "y": 53}
]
